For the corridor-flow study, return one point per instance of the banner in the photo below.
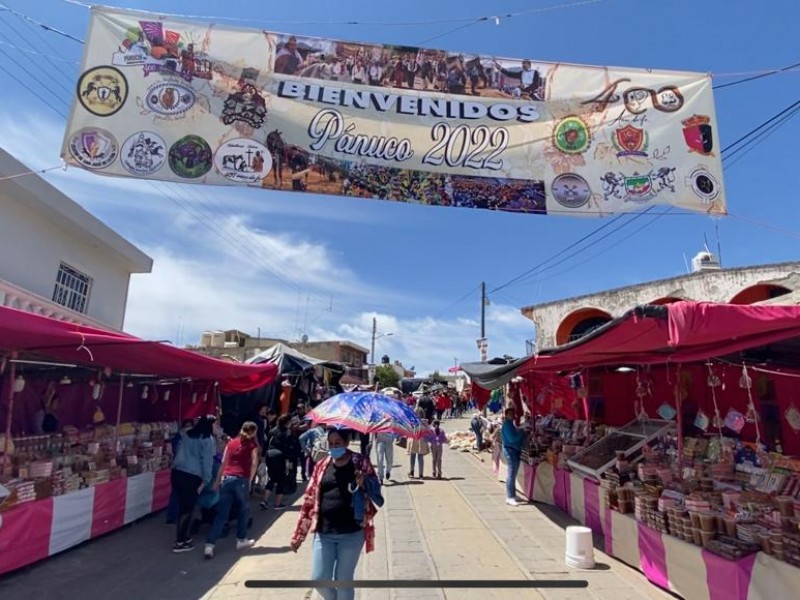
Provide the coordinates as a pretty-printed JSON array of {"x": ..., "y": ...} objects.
[{"x": 173, "y": 100}]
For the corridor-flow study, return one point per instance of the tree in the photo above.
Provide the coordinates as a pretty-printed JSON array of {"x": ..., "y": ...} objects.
[
  {"x": 386, "y": 376},
  {"x": 436, "y": 376}
]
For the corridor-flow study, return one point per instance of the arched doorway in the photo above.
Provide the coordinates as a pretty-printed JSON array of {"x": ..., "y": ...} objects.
[
  {"x": 579, "y": 323},
  {"x": 759, "y": 293}
]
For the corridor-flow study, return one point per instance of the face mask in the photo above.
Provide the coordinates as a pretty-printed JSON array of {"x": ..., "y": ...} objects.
[{"x": 336, "y": 452}]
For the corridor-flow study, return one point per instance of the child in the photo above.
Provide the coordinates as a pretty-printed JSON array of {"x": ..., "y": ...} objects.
[{"x": 438, "y": 439}]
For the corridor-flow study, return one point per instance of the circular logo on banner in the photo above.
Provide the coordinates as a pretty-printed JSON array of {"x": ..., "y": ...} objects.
[
  {"x": 190, "y": 157},
  {"x": 143, "y": 153},
  {"x": 102, "y": 90},
  {"x": 571, "y": 190},
  {"x": 704, "y": 185},
  {"x": 243, "y": 160},
  {"x": 93, "y": 148},
  {"x": 169, "y": 99},
  {"x": 571, "y": 135}
]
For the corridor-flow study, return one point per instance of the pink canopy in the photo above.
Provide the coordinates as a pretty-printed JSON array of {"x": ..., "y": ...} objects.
[
  {"x": 48, "y": 339},
  {"x": 679, "y": 332}
]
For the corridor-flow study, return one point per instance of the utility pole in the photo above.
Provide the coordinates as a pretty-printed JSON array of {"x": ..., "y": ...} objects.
[
  {"x": 374, "y": 333},
  {"x": 482, "y": 342},
  {"x": 483, "y": 310}
]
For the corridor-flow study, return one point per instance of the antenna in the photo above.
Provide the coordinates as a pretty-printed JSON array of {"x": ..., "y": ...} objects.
[
  {"x": 686, "y": 262},
  {"x": 719, "y": 244}
]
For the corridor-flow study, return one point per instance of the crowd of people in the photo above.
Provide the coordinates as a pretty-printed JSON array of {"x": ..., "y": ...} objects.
[
  {"x": 413, "y": 70},
  {"x": 398, "y": 184},
  {"x": 499, "y": 194},
  {"x": 279, "y": 446}
]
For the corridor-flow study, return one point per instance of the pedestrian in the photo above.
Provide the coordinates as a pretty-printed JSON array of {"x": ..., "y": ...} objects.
[
  {"x": 384, "y": 448},
  {"x": 298, "y": 427},
  {"x": 512, "y": 451},
  {"x": 418, "y": 448},
  {"x": 339, "y": 506},
  {"x": 191, "y": 472},
  {"x": 438, "y": 440},
  {"x": 172, "y": 508},
  {"x": 442, "y": 404},
  {"x": 314, "y": 444},
  {"x": 279, "y": 454},
  {"x": 425, "y": 403},
  {"x": 233, "y": 481},
  {"x": 478, "y": 425}
]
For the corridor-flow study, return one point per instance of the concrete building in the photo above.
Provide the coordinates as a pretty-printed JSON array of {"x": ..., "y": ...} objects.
[
  {"x": 58, "y": 260},
  {"x": 562, "y": 321},
  {"x": 242, "y": 346}
]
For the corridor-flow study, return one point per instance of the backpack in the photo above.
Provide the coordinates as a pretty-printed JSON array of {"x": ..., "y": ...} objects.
[{"x": 320, "y": 448}]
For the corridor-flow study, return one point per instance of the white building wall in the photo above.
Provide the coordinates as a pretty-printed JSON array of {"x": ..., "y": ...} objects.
[{"x": 32, "y": 247}]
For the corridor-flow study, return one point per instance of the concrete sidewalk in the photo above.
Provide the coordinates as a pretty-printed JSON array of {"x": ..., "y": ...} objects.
[{"x": 455, "y": 528}]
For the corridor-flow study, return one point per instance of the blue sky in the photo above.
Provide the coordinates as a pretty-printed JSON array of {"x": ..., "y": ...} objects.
[{"x": 325, "y": 266}]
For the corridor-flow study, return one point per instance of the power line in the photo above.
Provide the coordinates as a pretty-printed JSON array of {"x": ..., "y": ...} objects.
[
  {"x": 757, "y": 76},
  {"x": 24, "y": 17}
]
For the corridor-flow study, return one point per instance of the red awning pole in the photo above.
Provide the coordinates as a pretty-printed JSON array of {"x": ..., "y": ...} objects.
[
  {"x": 12, "y": 375},
  {"x": 119, "y": 411},
  {"x": 679, "y": 408}
]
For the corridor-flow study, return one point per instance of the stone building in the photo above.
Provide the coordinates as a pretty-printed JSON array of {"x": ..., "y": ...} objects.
[{"x": 563, "y": 321}]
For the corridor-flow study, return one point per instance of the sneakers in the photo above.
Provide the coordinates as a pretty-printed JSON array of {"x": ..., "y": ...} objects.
[
  {"x": 512, "y": 502},
  {"x": 280, "y": 507},
  {"x": 264, "y": 505},
  {"x": 244, "y": 544},
  {"x": 209, "y": 551},
  {"x": 183, "y": 547},
  {"x": 388, "y": 475}
]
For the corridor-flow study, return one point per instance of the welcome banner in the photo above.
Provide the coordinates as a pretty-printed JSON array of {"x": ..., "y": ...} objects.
[{"x": 174, "y": 100}]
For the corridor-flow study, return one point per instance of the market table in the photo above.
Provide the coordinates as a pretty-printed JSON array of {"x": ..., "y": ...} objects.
[
  {"x": 33, "y": 531},
  {"x": 676, "y": 565}
]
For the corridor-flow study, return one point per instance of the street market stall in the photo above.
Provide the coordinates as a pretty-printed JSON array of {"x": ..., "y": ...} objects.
[
  {"x": 702, "y": 497},
  {"x": 86, "y": 417}
]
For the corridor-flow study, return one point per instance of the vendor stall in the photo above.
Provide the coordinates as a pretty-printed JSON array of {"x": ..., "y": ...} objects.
[
  {"x": 86, "y": 417},
  {"x": 701, "y": 498}
]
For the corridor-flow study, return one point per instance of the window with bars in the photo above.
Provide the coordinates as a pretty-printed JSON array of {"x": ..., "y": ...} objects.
[{"x": 72, "y": 288}]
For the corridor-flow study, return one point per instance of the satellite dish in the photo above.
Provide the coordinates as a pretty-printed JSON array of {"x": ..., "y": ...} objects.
[{"x": 304, "y": 339}]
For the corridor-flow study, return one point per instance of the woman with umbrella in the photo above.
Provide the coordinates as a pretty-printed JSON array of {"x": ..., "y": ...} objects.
[{"x": 339, "y": 506}]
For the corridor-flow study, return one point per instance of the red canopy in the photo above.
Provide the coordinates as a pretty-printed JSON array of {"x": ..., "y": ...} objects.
[
  {"x": 49, "y": 339},
  {"x": 678, "y": 332}
]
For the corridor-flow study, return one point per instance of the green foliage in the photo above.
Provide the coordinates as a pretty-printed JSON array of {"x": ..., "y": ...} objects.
[{"x": 386, "y": 376}]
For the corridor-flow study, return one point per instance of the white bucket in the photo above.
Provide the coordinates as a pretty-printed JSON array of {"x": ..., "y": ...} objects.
[{"x": 580, "y": 548}]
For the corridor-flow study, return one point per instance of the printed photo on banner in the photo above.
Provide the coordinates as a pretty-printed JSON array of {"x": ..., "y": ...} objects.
[
  {"x": 408, "y": 67},
  {"x": 296, "y": 169}
]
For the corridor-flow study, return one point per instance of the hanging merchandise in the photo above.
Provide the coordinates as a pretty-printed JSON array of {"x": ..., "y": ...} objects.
[
  {"x": 746, "y": 382},
  {"x": 667, "y": 412},
  {"x": 98, "y": 416},
  {"x": 734, "y": 420},
  {"x": 495, "y": 401},
  {"x": 715, "y": 382},
  {"x": 792, "y": 415},
  {"x": 643, "y": 390},
  {"x": 701, "y": 421}
]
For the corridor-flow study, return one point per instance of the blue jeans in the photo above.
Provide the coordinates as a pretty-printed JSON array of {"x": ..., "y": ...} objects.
[
  {"x": 512, "y": 456},
  {"x": 233, "y": 491},
  {"x": 335, "y": 559}
]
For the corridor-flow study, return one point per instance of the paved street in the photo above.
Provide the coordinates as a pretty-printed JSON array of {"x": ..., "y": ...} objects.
[{"x": 457, "y": 528}]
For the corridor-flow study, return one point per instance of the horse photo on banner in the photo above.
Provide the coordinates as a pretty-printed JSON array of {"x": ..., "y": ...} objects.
[{"x": 178, "y": 100}]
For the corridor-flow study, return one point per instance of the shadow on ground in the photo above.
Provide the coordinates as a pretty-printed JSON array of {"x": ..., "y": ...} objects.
[{"x": 82, "y": 572}]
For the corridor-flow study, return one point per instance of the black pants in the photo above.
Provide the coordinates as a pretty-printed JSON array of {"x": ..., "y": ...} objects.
[
  {"x": 276, "y": 473},
  {"x": 186, "y": 486}
]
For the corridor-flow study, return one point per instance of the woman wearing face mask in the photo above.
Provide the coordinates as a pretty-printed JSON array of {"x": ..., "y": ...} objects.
[
  {"x": 233, "y": 482},
  {"x": 338, "y": 508}
]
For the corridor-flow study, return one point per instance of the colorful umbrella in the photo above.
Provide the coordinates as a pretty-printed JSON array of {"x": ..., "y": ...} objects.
[{"x": 369, "y": 412}]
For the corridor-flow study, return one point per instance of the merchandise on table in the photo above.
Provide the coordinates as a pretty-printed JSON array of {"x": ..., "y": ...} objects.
[
  {"x": 42, "y": 466},
  {"x": 720, "y": 493}
]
